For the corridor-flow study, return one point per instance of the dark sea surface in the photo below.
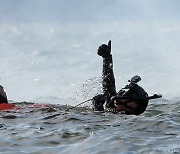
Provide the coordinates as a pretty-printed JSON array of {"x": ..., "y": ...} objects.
[{"x": 57, "y": 64}]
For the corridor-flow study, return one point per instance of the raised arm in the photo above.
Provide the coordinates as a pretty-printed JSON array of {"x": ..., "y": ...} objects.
[{"x": 109, "y": 88}]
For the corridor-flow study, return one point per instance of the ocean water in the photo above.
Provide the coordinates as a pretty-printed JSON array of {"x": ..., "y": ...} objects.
[{"x": 57, "y": 64}]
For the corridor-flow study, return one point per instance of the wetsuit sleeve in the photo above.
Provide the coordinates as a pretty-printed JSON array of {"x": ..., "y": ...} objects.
[{"x": 108, "y": 83}]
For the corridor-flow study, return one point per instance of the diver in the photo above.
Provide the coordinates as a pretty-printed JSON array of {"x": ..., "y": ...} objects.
[
  {"x": 3, "y": 96},
  {"x": 131, "y": 100}
]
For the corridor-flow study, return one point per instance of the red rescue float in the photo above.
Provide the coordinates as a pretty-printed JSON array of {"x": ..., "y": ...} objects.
[{"x": 6, "y": 106}]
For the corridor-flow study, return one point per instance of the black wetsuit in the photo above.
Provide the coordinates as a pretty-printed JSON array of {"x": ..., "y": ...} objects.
[
  {"x": 109, "y": 89},
  {"x": 3, "y": 97}
]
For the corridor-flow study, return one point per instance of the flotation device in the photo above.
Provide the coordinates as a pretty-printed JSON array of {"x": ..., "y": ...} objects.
[{"x": 6, "y": 106}]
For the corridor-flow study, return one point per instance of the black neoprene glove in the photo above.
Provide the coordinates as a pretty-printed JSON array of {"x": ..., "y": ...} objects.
[
  {"x": 105, "y": 50},
  {"x": 98, "y": 102}
]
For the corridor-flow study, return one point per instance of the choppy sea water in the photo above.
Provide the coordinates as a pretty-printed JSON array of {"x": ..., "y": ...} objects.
[
  {"x": 57, "y": 64},
  {"x": 80, "y": 130}
]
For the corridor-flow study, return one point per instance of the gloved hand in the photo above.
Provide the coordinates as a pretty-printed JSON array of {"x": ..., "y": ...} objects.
[
  {"x": 105, "y": 50},
  {"x": 98, "y": 102}
]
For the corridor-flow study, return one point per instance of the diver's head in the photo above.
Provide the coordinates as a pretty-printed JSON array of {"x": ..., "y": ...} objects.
[{"x": 133, "y": 98}]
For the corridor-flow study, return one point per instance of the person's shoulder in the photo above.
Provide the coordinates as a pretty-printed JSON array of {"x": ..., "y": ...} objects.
[{"x": 1, "y": 88}]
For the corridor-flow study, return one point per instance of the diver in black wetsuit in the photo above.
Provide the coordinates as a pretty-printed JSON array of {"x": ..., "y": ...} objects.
[
  {"x": 3, "y": 97},
  {"x": 132, "y": 99}
]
